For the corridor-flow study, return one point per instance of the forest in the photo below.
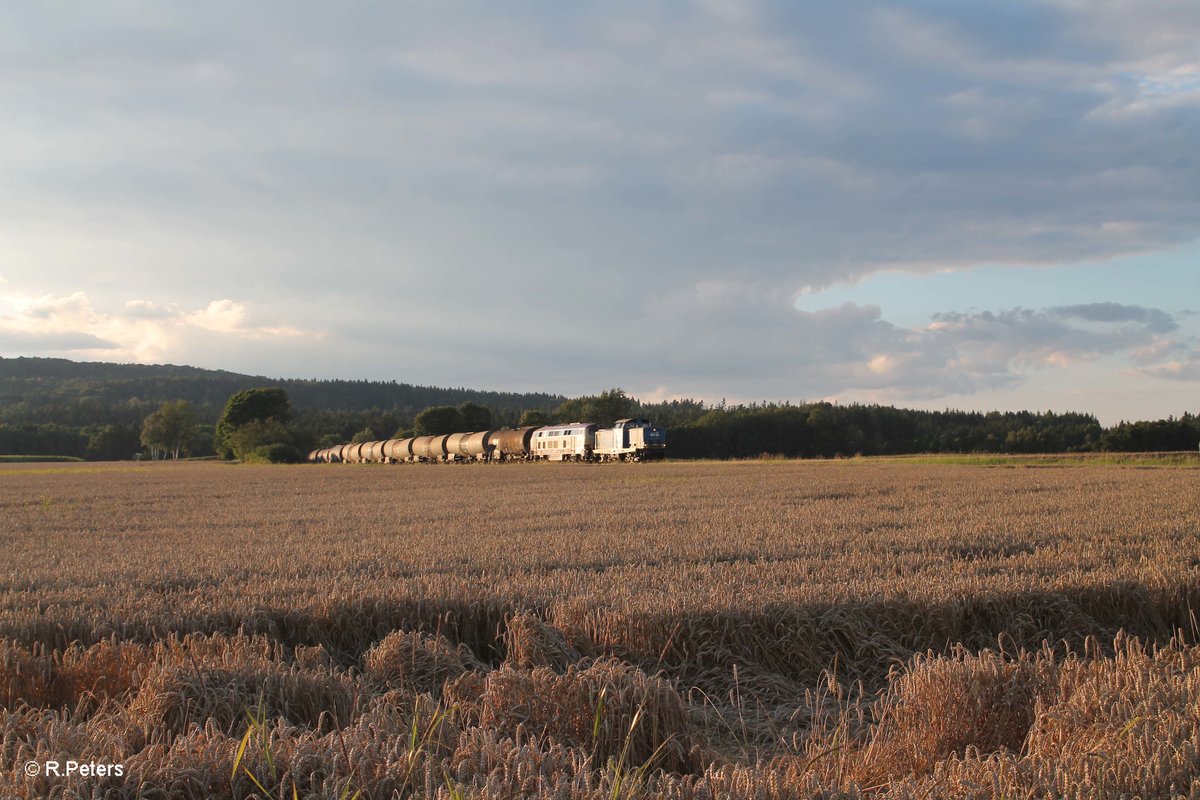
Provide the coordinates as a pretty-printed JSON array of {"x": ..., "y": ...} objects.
[{"x": 99, "y": 411}]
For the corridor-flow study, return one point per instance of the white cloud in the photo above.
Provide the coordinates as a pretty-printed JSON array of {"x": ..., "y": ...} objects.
[
  {"x": 141, "y": 331},
  {"x": 147, "y": 309},
  {"x": 221, "y": 316},
  {"x": 1183, "y": 365}
]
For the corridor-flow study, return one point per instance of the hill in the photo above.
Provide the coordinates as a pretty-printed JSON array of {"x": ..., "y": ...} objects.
[
  {"x": 95, "y": 410},
  {"x": 34, "y": 390}
]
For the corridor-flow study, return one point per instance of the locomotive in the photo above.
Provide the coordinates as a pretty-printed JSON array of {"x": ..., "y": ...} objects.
[{"x": 632, "y": 439}]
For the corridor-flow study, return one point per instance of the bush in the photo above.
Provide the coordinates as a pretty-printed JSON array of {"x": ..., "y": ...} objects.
[{"x": 278, "y": 453}]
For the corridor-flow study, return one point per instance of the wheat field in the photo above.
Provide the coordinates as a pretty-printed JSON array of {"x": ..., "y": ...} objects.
[{"x": 697, "y": 630}]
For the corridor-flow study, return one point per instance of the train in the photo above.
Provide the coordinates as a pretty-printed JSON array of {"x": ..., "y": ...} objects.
[{"x": 633, "y": 439}]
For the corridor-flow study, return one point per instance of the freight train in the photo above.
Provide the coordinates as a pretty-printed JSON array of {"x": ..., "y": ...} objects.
[{"x": 628, "y": 440}]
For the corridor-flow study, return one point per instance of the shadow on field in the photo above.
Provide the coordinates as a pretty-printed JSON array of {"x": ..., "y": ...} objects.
[
  {"x": 786, "y": 647},
  {"x": 420, "y": 698}
]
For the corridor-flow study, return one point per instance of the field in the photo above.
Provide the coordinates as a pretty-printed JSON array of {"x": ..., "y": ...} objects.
[{"x": 695, "y": 630}]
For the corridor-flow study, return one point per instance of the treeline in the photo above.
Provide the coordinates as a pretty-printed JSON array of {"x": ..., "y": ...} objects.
[
  {"x": 827, "y": 430},
  {"x": 130, "y": 410}
]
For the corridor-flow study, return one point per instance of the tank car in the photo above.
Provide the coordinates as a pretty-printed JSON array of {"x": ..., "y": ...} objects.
[
  {"x": 512, "y": 444},
  {"x": 398, "y": 449},
  {"x": 430, "y": 448},
  {"x": 472, "y": 446}
]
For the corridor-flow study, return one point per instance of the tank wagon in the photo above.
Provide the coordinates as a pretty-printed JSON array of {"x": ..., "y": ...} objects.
[
  {"x": 633, "y": 439},
  {"x": 397, "y": 450},
  {"x": 513, "y": 443},
  {"x": 429, "y": 448}
]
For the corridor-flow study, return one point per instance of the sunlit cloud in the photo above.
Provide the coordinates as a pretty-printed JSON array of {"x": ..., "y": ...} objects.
[{"x": 140, "y": 331}]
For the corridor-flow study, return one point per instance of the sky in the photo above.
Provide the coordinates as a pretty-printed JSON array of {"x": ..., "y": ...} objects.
[{"x": 928, "y": 204}]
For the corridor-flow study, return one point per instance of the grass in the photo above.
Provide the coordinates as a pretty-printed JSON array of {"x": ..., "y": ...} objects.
[
  {"x": 681, "y": 630},
  {"x": 1169, "y": 459},
  {"x": 19, "y": 459}
]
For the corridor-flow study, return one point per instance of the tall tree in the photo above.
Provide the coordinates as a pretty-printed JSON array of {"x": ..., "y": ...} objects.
[
  {"x": 264, "y": 404},
  {"x": 113, "y": 442},
  {"x": 166, "y": 431},
  {"x": 605, "y": 408},
  {"x": 474, "y": 417},
  {"x": 611, "y": 406},
  {"x": 438, "y": 420},
  {"x": 364, "y": 435},
  {"x": 533, "y": 416}
]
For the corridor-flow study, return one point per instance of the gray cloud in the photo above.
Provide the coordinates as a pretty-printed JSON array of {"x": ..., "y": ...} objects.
[
  {"x": 1155, "y": 319},
  {"x": 773, "y": 350},
  {"x": 568, "y": 197},
  {"x": 804, "y": 145}
]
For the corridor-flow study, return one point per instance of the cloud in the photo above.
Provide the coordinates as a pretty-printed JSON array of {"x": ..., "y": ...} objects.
[
  {"x": 764, "y": 347},
  {"x": 140, "y": 331},
  {"x": 51, "y": 341},
  {"x": 842, "y": 140},
  {"x": 567, "y": 199},
  {"x": 146, "y": 309},
  {"x": 1154, "y": 319},
  {"x": 1184, "y": 366}
]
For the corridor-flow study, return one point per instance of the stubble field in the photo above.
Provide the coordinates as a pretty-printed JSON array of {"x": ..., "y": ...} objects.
[{"x": 700, "y": 630}]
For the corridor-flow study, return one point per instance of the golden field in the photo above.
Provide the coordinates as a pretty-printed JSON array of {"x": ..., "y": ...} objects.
[{"x": 693, "y": 630}]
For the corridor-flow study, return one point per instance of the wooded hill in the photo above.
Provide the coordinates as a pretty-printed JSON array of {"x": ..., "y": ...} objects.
[
  {"x": 56, "y": 390},
  {"x": 95, "y": 410}
]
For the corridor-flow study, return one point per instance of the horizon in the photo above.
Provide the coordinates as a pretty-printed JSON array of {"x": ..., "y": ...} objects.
[{"x": 927, "y": 206}]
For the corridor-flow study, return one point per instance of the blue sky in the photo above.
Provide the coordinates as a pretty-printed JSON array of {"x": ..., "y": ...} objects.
[
  {"x": 928, "y": 203},
  {"x": 911, "y": 299}
]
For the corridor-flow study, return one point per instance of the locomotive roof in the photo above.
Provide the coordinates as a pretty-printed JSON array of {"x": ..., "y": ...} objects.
[{"x": 567, "y": 426}]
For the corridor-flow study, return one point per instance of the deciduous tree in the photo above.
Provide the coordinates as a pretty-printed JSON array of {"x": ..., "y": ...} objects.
[
  {"x": 474, "y": 417},
  {"x": 251, "y": 405},
  {"x": 166, "y": 431},
  {"x": 438, "y": 420}
]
